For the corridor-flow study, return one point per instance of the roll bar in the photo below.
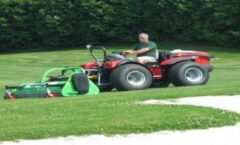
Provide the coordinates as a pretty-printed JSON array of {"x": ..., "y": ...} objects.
[{"x": 91, "y": 48}]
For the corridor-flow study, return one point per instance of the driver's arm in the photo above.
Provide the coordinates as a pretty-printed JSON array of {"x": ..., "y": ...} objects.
[{"x": 140, "y": 51}]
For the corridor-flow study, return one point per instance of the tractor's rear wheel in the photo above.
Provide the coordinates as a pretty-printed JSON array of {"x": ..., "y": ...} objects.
[
  {"x": 131, "y": 77},
  {"x": 188, "y": 73}
]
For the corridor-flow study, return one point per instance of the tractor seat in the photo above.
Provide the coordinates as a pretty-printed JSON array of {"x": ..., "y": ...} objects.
[
  {"x": 152, "y": 64},
  {"x": 163, "y": 56}
]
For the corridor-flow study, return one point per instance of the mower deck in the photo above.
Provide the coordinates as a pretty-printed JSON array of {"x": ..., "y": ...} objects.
[{"x": 63, "y": 85}]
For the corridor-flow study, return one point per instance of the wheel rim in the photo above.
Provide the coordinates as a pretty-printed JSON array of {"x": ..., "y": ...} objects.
[
  {"x": 193, "y": 74},
  {"x": 136, "y": 78}
]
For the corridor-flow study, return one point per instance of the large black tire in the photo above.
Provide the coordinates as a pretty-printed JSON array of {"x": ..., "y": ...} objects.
[
  {"x": 163, "y": 83},
  {"x": 107, "y": 88},
  {"x": 5, "y": 96},
  {"x": 80, "y": 83},
  {"x": 188, "y": 73},
  {"x": 131, "y": 77}
]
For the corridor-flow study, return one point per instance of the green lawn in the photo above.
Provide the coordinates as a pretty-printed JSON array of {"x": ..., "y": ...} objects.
[{"x": 113, "y": 112}]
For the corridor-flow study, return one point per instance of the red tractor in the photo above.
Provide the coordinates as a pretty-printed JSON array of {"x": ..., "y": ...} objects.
[{"x": 181, "y": 68}]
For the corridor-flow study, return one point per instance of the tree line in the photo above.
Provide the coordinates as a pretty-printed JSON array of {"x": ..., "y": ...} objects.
[{"x": 29, "y": 24}]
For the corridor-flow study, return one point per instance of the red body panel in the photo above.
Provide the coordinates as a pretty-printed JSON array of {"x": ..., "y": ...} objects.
[
  {"x": 90, "y": 65},
  {"x": 168, "y": 61},
  {"x": 158, "y": 71},
  {"x": 107, "y": 65},
  {"x": 197, "y": 56},
  {"x": 190, "y": 53},
  {"x": 111, "y": 64},
  {"x": 202, "y": 60}
]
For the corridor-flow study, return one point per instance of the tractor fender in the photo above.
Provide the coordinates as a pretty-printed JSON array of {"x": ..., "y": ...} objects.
[
  {"x": 126, "y": 61},
  {"x": 172, "y": 61}
]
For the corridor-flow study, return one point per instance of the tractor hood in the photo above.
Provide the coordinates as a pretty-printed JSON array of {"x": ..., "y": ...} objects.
[{"x": 187, "y": 53}]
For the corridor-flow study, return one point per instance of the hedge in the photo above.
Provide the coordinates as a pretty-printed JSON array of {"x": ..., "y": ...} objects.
[{"x": 29, "y": 24}]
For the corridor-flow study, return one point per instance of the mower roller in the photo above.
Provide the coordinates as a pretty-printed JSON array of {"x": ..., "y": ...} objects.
[{"x": 56, "y": 82}]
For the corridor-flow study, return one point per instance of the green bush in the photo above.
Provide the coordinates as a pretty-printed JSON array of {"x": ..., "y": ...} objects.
[{"x": 29, "y": 24}]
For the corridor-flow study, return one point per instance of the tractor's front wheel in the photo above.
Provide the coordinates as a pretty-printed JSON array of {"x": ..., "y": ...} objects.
[
  {"x": 188, "y": 73},
  {"x": 107, "y": 88},
  {"x": 131, "y": 77},
  {"x": 163, "y": 83}
]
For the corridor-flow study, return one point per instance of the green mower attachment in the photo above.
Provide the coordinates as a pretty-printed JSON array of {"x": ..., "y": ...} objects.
[{"x": 71, "y": 81}]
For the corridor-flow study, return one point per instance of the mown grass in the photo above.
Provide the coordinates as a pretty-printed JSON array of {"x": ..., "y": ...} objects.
[{"x": 113, "y": 112}]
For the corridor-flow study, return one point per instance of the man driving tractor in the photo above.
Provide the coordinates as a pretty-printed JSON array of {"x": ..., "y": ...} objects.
[{"x": 145, "y": 50}]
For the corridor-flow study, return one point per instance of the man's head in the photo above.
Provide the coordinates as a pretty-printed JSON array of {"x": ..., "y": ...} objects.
[{"x": 143, "y": 37}]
